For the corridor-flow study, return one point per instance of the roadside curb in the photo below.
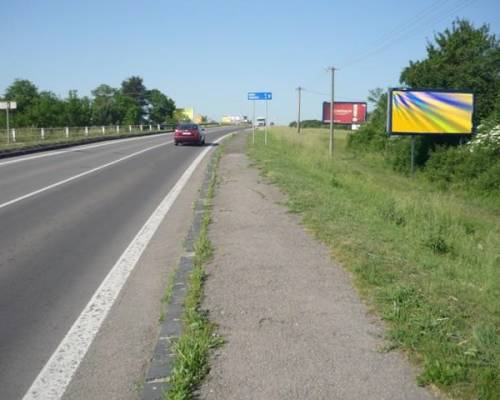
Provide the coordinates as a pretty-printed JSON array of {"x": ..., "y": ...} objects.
[
  {"x": 157, "y": 378},
  {"x": 64, "y": 145}
]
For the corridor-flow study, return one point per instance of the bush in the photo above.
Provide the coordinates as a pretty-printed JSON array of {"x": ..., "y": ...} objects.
[
  {"x": 466, "y": 167},
  {"x": 308, "y": 123},
  {"x": 371, "y": 136}
]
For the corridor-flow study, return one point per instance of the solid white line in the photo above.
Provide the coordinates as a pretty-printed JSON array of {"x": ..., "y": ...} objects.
[
  {"x": 79, "y": 148},
  {"x": 72, "y": 178},
  {"x": 57, "y": 373}
]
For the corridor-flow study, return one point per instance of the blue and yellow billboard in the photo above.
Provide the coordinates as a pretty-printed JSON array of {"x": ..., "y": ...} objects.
[{"x": 429, "y": 112}]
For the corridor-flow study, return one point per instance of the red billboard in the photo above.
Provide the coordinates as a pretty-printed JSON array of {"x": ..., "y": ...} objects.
[{"x": 345, "y": 112}]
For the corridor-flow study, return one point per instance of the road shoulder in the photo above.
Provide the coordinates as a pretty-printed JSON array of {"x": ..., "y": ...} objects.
[
  {"x": 295, "y": 328},
  {"x": 115, "y": 365}
]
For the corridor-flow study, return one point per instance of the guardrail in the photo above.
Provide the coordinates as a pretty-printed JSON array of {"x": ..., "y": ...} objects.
[{"x": 23, "y": 136}]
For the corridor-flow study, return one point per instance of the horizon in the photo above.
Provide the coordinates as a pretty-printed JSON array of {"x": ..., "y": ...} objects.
[{"x": 227, "y": 54}]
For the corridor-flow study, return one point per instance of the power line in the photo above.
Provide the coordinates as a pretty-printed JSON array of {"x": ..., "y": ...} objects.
[
  {"x": 404, "y": 25},
  {"x": 411, "y": 30},
  {"x": 324, "y": 94}
]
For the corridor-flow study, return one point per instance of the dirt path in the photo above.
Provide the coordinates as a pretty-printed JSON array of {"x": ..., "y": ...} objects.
[{"x": 295, "y": 327}]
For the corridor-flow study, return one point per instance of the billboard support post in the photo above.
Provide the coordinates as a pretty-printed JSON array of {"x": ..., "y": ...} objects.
[{"x": 412, "y": 154}]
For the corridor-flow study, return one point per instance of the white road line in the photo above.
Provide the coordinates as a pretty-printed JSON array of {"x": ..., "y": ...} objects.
[
  {"x": 72, "y": 178},
  {"x": 79, "y": 148},
  {"x": 57, "y": 373}
]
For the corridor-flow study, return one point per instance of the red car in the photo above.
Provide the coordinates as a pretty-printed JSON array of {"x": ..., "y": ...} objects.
[{"x": 189, "y": 133}]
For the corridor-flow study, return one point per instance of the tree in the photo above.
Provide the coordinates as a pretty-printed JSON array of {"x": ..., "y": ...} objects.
[
  {"x": 77, "y": 112},
  {"x": 47, "y": 110},
  {"x": 104, "y": 110},
  {"x": 161, "y": 107},
  {"x": 371, "y": 135},
  {"x": 134, "y": 89},
  {"x": 461, "y": 57},
  {"x": 127, "y": 111},
  {"x": 25, "y": 93}
]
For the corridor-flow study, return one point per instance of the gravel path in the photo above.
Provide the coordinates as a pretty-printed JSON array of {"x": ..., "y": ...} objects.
[{"x": 294, "y": 325}]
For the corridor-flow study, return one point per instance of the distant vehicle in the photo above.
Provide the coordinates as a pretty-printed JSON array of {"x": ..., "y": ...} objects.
[
  {"x": 189, "y": 133},
  {"x": 260, "y": 121}
]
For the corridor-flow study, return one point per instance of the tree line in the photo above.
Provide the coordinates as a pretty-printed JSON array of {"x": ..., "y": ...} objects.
[{"x": 130, "y": 104}]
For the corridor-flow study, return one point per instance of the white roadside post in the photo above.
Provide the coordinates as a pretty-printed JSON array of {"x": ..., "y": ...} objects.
[
  {"x": 86, "y": 131},
  {"x": 130, "y": 128},
  {"x": 117, "y": 128},
  {"x": 66, "y": 132},
  {"x": 159, "y": 127},
  {"x": 141, "y": 127},
  {"x": 150, "y": 128},
  {"x": 42, "y": 133},
  {"x": 13, "y": 136},
  {"x": 103, "y": 130}
]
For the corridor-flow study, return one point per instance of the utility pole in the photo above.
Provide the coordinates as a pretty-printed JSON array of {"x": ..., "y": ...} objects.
[
  {"x": 332, "y": 69},
  {"x": 299, "y": 89}
]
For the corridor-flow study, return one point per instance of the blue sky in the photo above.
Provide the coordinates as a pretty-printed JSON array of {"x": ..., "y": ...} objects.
[{"x": 209, "y": 54}]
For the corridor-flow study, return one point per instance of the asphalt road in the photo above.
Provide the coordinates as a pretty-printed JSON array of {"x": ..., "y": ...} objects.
[{"x": 58, "y": 244}]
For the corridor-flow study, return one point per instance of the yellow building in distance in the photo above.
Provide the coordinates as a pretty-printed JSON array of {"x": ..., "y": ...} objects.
[{"x": 184, "y": 114}]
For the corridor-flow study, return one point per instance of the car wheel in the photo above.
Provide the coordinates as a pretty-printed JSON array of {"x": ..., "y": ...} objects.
[{"x": 176, "y": 143}]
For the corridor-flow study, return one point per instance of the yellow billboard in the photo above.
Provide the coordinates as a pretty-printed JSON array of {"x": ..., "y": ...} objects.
[{"x": 430, "y": 112}]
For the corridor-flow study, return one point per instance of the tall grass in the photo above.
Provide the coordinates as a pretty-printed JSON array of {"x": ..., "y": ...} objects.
[{"x": 427, "y": 260}]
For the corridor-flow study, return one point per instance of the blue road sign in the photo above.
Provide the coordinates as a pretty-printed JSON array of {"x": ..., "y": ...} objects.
[{"x": 260, "y": 96}]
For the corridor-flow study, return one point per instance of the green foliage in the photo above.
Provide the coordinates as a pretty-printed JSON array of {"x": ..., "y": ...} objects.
[
  {"x": 104, "y": 105},
  {"x": 476, "y": 170},
  {"x": 463, "y": 57},
  {"x": 308, "y": 123},
  {"x": 45, "y": 111},
  {"x": 161, "y": 107},
  {"x": 133, "y": 88},
  {"x": 132, "y": 104},
  {"x": 371, "y": 136}
]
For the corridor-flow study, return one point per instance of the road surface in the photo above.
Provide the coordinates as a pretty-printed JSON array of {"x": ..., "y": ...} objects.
[{"x": 65, "y": 218}]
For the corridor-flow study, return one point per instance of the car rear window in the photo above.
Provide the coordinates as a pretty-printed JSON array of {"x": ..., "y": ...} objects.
[{"x": 187, "y": 126}]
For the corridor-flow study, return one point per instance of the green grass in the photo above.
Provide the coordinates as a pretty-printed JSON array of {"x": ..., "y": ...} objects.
[
  {"x": 199, "y": 334},
  {"x": 167, "y": 294},
  {"x": 428, "y": 261}
]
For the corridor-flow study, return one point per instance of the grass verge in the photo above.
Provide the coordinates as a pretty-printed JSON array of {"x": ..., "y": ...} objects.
[
  {"x": 427, "y": 260},
  {"x": 199, "y": 335},
  {"x": 167, "y": 294}
]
